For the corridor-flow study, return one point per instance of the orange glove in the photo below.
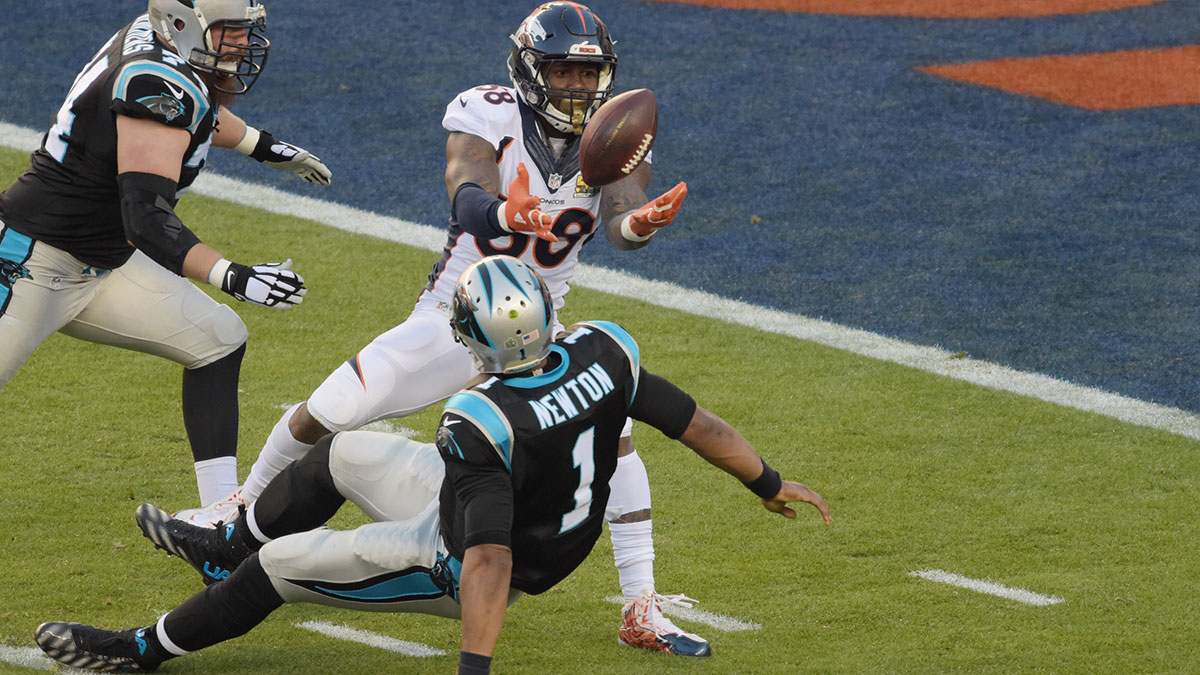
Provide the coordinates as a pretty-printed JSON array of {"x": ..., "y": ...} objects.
[
  {"x": 645, "y": 221},
  {"x": 521, "y": 211}
]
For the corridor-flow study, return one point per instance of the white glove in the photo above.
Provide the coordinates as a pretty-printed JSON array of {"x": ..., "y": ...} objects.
[
  {"x": 265, "y": 284},
  {"x": 261, "y": 145}
]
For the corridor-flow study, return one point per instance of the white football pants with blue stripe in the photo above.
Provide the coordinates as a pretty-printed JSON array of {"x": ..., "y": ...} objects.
[{"x": 397, "y": 564}]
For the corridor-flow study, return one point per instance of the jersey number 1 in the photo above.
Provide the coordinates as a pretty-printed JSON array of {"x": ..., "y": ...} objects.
[{"x": 585, "y": 461}]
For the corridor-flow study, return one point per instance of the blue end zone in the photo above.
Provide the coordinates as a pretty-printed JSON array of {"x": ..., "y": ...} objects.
[{"x": 1037, "y": 235}]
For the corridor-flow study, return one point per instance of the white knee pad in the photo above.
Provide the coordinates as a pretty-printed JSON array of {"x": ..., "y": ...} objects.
[
  {"x": 408, "y": 368},
  {"x": 227, "y": 330},
  {"x": 388, "y": 476},
  {"x": 630, "y": 487},
  {"x": 340, "y": 403}
]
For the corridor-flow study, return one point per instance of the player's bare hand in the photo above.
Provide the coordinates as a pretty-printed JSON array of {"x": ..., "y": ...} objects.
[
  {"x": 521, "y": 211},
  {"x": 657, "y": 214},
  {"x": 796, "y": 492}
]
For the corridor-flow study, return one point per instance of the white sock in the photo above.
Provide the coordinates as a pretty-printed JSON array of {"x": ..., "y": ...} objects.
[
  {"x": 633, "y": 543},
  {"x": 633, "y": 549},
  {"x": 216, "y": 478},
  {"x": 278, "y": 452}
]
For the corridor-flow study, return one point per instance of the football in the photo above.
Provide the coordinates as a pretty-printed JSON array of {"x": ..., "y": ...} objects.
[{"x": 618, "y": 137}]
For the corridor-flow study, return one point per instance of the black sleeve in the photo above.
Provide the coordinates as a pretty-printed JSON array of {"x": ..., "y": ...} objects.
[
  {"x": 485, "y": 498},
  {"x": 482, "y": 484},
  {"x": 162, "y": 95},
  {"x": 148, "y": 213},
  {"x": 662, "y": 405}
]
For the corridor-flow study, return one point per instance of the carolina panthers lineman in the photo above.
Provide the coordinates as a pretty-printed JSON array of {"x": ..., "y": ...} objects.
[
  {"x": 510, "y": 500},
  {"x": 525, "y": 137},
  {"x": 89, "y": 241}
]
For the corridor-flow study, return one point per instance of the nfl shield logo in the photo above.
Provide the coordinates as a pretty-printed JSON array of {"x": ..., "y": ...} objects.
[{"x": 555, "y": 181}]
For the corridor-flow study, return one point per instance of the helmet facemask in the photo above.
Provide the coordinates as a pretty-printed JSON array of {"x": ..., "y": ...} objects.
[
  {"x": 236, "y": 54},
  {"x": 555, "y": 32},
  {"x": 225, "y": 40}
]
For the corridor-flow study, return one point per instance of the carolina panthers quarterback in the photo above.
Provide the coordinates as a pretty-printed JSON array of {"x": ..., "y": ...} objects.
[
  {"x": 513, "y": 180},
  {"x": 90, "y": 244},
  {"x": 509, "y": 501}
]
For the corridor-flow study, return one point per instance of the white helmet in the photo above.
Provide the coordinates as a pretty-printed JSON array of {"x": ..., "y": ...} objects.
[
  {"x": 502, "y": 313},
  {"x": 187, "y": 26}
]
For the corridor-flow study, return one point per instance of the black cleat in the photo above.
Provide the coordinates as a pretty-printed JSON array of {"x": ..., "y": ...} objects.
[
  {"x": 213, "y": 552},
  {"x": 107, "y": 651}
]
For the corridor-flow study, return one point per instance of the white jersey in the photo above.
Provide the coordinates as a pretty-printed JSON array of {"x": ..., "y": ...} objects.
[{"x": 492, "y": 113}]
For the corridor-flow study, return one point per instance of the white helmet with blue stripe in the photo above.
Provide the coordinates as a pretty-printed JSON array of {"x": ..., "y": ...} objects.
[{"x": 502, "y": 313}]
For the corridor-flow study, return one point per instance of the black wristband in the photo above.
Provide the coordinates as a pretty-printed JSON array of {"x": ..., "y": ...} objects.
[
  {"x": 470, "y": 663},
  {"x": 235, "y": 279},
  {"x": 768, "y": 484},
  {"x": 262, "y": 149}
]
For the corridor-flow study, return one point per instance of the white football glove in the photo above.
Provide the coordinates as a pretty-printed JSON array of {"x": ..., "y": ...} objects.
[
  {"x": 261, "y": 145},
  {"x": 300, "y": 162},
  {"x": 265, "y": 284}
]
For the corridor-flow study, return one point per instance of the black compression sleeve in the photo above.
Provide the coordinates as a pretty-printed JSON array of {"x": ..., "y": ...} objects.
[
  {"x": 224, "y": 611},
  {"x": 148, "y": 212},
  {"x": 470, "y": 663},
  {"x": 662, "y": 405},
  {"x": 485, "y": 500},
  {"x": 475, "y": 211},
  {"x": 302, "y": 496}
]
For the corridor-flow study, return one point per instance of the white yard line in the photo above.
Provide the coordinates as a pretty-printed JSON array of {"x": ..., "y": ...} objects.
[
  {"x": 34, "y": 659},
  {"x": 370, "y": 639},
  {"x": 717, "y": 621},
  {"x": 663, "y": 294},
  {"x": 988, "y": 587}
]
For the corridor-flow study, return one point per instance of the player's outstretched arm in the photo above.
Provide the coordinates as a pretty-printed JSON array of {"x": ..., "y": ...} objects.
[
  {"x": 473, "y": 184},
  {"x": 631, "y": 220},
  {"x": 620, "y": 199},
  {"x": 717, "y": 441},
  {"x": 259, "y": 144},
  {"x": 149, "y": 155}
]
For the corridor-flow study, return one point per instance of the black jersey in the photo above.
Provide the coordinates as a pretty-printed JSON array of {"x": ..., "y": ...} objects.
[
  {"x": 537, "y": 453},
  {"x": 68, "y": 197}
]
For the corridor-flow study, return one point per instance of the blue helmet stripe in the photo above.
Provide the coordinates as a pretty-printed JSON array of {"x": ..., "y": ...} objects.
[
  {"x": 506, "y": 269},
  {"x": 485, "y": 277}
]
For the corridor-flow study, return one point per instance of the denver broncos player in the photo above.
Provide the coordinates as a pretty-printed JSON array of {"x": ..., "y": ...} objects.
[
  {"x": 520, "y": 143},
  {"x": 89, "y": 241},
  {"x": 510, "y": 500}
]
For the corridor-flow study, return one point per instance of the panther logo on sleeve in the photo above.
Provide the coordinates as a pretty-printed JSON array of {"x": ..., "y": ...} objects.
[
  {"x": 164, "y": 106},
  {"x": 151, "y": 90}
]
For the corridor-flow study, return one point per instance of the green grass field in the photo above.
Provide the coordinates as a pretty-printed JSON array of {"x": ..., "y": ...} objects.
[{"x": 920, "y": 472}]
